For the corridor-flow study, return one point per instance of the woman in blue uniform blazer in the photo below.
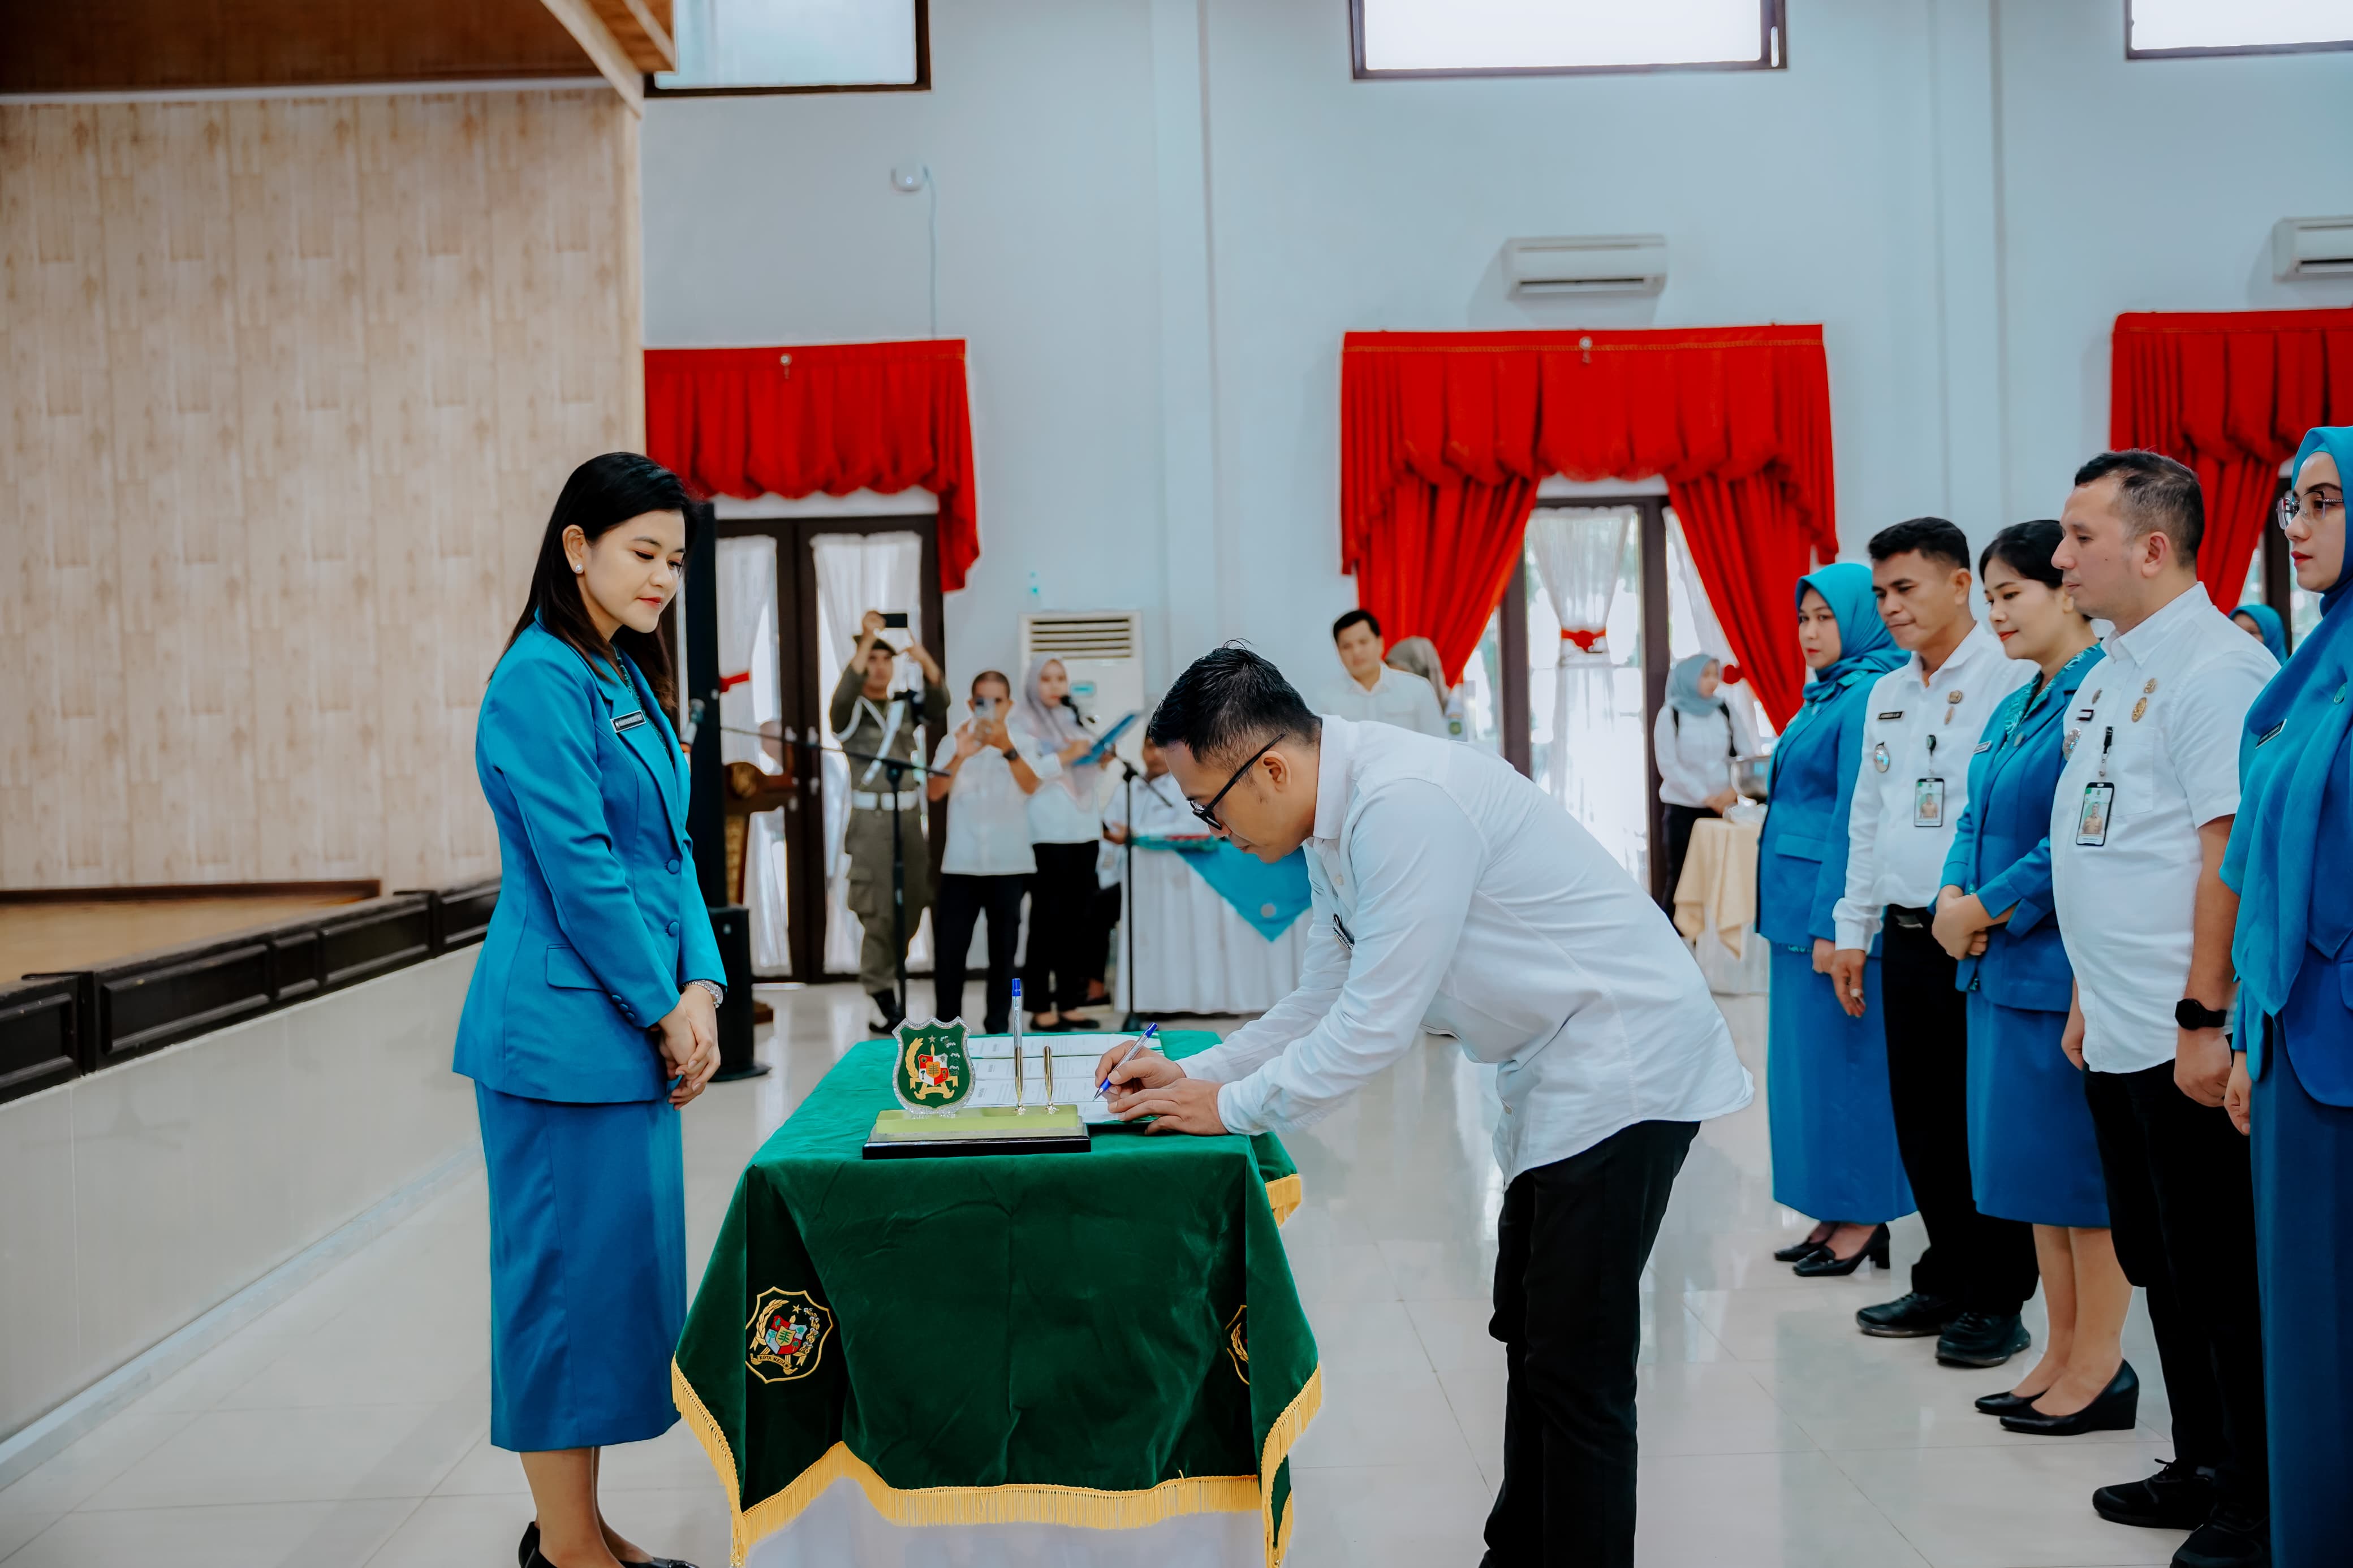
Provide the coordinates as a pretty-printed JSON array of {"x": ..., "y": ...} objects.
[
  {"x": 1833, "y": 1128},
  {"x": 2291, "y": 859},
  {"x": 590, "y": 1018},
  {"x": 2032, "y": 1155}
]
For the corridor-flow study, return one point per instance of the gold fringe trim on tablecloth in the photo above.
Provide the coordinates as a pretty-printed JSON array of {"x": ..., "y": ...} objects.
[
  {"x": 1016, "y": 1504},
  {"x": 1283, "y": 1194}
]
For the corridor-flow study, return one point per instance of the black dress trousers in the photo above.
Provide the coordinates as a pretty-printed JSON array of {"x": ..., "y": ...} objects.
[
  {"x": 1570, "y": 1248},
  {"x": 1982, "y": 1263},
  {"x": 963, "y": 901},
  {"x": 2181, "y": 1206}
]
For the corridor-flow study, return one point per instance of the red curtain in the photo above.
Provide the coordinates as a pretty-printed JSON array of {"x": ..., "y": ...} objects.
[
  {"x": 2231, "y": 394},
  {"x": 1444, "y": 435},
  {"x": 836, "y": 418}
]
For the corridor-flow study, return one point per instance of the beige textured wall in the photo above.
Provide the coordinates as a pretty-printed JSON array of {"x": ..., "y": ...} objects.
[{"x": 290, "y": 385}]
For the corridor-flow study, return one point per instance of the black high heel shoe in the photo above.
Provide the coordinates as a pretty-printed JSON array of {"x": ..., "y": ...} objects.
[
  {"x": 1798, "y": 1251},
  {"x": 1827, "y": 1264},
  {"x": 2113, "y": 1410},
  {"x": 527, "y": 1553},
  {"x": 2006, "y": 1402}
]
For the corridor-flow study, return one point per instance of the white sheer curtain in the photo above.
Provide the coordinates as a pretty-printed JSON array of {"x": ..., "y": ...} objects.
[
  {"x": 1578, "y": 553},
  {"x": 1692, "y": 626},
  {"x": 856, "y": 573},
  {"x": 748, "y": 700}
]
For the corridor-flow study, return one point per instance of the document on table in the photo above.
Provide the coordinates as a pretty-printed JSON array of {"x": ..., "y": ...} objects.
[{"x": 1074, "y": 1071}]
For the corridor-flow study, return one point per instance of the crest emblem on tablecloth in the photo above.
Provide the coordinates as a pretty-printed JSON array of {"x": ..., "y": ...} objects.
[
  {"x": 933, "y": 1069},
  {"x": 1238, "y": 1342},
  {"x": 789, "y": 1334}
]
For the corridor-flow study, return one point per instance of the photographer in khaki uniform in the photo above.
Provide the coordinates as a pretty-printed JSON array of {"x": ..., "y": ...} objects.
[{"x": 870, "y": 720}]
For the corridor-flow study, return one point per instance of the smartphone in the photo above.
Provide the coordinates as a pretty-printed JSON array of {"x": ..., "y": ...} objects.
[
  {"x": 985, "y": 707},
  {"x": 894, "y": 620}
]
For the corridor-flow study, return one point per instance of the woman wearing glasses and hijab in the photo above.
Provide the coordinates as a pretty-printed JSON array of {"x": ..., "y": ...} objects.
[
  {"x": 2291, "y": 860},
  {"x": 1834, "y": 1126}
]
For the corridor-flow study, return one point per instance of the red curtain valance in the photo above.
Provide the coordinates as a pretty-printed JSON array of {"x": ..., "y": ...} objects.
[
  {"x": 2231, "y": 394},
  {"x": 1444, "y": 435},
  {"x": 836, "y": 417}
]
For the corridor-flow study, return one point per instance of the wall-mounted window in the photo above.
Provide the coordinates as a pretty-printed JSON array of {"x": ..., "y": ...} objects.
[
  {"x": 799, "y": 45},
  {"x": 2168, "y": 29},
  {"x": 1547, "y": 37}
]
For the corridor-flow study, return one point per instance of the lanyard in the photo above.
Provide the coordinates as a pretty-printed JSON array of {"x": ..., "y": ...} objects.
[{"x": 2107, "y": 739}]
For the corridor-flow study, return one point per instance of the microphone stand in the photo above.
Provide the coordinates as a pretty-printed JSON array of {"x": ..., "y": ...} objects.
[
  {"x": 1135, "y": 1019},
  {"x": 899, "y": 768}
]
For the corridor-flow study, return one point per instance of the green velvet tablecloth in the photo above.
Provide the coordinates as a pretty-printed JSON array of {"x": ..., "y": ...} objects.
[{"x": 1104, "y": 1339}]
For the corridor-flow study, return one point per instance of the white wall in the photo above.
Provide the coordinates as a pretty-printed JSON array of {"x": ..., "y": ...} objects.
[{"x": 1159, "y": 216}]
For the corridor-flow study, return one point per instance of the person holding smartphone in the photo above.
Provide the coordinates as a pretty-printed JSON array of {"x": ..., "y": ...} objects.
[
  {"x": 871, "y": 722},
  {"x": 982, "y": 774}
]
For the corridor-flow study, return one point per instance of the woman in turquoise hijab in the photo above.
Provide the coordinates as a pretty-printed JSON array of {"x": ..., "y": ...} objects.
[
  {"x": 2264, "y": 623},
  {"x": 1833, "y": 1128},
  {"x": 2291, "y": 860}
]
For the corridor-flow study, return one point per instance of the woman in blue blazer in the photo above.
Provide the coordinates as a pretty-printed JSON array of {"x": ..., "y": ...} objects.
[
  {"x": 2032, "y": 1156},
  {"x": 2291, "y": 859},
  {"x": 1833, "y": 1128},
  {"x": 591, "y": 1017}
]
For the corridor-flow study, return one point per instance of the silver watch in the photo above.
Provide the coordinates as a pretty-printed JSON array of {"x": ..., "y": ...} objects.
[{"x": 718, "y": 992}]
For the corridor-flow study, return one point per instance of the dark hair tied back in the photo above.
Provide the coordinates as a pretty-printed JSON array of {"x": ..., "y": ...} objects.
[
  {"x": 602, "y": 494},
  {"x": 2026, "y": 549}
]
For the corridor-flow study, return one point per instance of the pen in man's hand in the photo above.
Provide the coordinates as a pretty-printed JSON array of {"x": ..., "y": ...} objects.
[{"x": 1149, "y": 1030}]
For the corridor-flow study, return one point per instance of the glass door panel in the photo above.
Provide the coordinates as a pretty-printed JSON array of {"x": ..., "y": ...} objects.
[
  {"x": 751, "y": 713},
  {"x": 1586, "y": 712}
]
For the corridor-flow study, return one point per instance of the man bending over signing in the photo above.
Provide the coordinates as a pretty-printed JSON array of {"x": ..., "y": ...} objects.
[{"x": 1453, "y": 895}]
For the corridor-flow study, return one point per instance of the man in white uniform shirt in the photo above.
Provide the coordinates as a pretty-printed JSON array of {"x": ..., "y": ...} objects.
[
  {"x": 2142, "y": 814},
  {"x": 1374, "y": 690},
  {"x": 1451, "y": 895},
  {"x": 1920, "y": 727}
]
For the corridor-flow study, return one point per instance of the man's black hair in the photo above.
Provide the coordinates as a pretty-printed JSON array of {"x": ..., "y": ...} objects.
[
  {"x": 1351, "y": 619},
  {"x": 1930, "y": 538},
  {"x": 1227, "y": 704},
  {"x": 2153, "y": 493}
]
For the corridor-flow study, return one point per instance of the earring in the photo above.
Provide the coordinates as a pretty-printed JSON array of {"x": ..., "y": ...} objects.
[{"x": 578, "y": 570}]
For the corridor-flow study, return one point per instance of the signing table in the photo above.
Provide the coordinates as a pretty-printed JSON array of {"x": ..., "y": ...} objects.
[{"x": 1025, "y": 1349}]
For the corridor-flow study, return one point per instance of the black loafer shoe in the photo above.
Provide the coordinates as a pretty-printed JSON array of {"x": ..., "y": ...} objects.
[
  {"x": 1981, "y": 1339},
  {"x": 1908, "y": 1317},
  {"x": 2178, "y": 1497},
  {"x": 2113, "y": 1409},
  {"x": 2004, "y": 1404},
  {"x": 2231, "y": 1538}
]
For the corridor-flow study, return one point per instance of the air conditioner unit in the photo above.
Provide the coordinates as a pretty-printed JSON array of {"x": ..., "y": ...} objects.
[
  {"x": 2312, "y": 248},
  {"x": 1588, "y": 264},
  {"x": 1102, "y": 652}
]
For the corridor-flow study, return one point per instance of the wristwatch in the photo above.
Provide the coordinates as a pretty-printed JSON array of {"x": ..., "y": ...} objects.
[
  {"x": 2192, "y": 1014},
  {"x": 718, "y": 992}
]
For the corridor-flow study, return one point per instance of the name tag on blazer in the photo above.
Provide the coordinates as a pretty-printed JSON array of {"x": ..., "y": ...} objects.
[{"x": 627, "y": 721}]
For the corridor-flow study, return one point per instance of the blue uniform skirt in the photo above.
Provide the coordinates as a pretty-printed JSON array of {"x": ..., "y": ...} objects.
[
  {"x": 1834, "y": 1155},
  {"x": 587, "y": 1270},
  {"x": 2303, "y": 1262},
  {"x": 2032, "y": 1154}
]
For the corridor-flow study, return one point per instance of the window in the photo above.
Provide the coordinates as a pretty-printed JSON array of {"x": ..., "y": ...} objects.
[
  {"x": 1522, "y": 38},
  {"x": 2161, "y": 29},
  {"x": 799, "y": 45}
]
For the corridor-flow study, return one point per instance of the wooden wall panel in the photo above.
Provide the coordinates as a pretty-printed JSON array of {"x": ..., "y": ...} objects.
[{"x": 291, "y": 386}]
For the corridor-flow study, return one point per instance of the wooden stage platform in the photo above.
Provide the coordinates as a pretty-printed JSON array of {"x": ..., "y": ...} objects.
[{"x": 45, "y": 931}]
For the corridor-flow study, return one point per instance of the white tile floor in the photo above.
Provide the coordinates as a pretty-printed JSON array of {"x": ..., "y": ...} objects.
[{"x": 348, "y": 1425}]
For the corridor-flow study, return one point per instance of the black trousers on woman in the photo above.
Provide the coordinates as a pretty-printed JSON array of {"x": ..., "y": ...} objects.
[
  {"x": 1061, "y": 897},
  {"x": 1679, "y": 819},
  {"x": 961, "y": 902},
  {"x": 1569, "y": 1250}
]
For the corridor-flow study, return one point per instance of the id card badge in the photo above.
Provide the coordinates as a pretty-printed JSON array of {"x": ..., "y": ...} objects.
[
  {"x": 1927, "y": 802},
  {"x": 2092, "y": 822}
]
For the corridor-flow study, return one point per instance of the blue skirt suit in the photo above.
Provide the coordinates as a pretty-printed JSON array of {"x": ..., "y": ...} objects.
[
  {"x": 1832, "y": 1124},
  {"x": 2032, "y": 1155},
  {"x": 600, "y": 923}
]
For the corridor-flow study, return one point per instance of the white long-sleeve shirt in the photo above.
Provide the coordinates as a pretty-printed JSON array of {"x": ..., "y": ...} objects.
[
  {"x": 1695, "y": 751},
  {"x": 1451, "y": 894},
  {"x": 1399, "y": 696},
  {"x": 1918, "y": 734}
]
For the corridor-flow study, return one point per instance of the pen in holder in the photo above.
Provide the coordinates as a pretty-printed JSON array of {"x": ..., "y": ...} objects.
[
  {"x": 1016, "y": 1043},
  {"x": 1048, "y": 1052}
]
